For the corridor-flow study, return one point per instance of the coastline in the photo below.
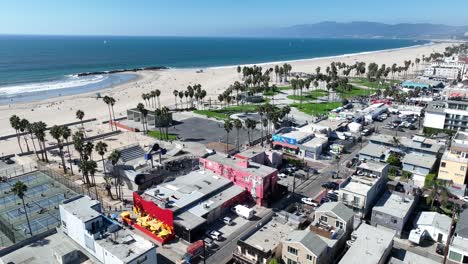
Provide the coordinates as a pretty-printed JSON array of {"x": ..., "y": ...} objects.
[{"x": 60, "y": 110}]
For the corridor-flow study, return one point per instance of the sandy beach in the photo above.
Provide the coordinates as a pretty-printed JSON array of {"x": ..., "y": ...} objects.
[{"x": 213, "y": 80}]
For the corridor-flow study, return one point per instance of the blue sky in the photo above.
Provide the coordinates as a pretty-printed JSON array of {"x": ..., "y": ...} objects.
[{"x": 210, "y": 17}]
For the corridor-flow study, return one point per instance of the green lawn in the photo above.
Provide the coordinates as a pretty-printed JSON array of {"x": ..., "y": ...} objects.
[
  {"x": 344, "y": 94},
  {"x": 224, "y": 113},
  {"x": 316, "y": 108},
  {"x": 271, "y": 93},
  {"x": 374, "y": 85},
  {"x": 284, "y": 88},
  {"x": 156, "y": 134},
  {"x": 312, "y": 95}
]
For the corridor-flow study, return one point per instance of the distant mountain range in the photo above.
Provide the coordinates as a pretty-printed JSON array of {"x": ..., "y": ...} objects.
[{"x": 362, "y": 29}]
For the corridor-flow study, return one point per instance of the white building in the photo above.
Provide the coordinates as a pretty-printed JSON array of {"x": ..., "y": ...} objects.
[
  {"x": 436, "y": 225},
  {"x": 449, "y": 114},
  {"x": 458, "y": 249},
  {"x": 102, "y": 237}
]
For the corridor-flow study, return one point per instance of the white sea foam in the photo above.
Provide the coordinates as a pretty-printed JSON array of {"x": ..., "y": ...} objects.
[{"x": 71, "y": 81}]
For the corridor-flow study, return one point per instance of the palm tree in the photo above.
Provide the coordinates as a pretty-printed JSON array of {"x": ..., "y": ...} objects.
[
  {"x": 112, "y": 103},
  {"x": 24, "y": 123},
  {"x": 19, "y": 189},
  {"x": 142, "y": 110},
  {"x": 101, "y": 148},
  {"x": 157, "y": 93},
  {"x": 227, "y": 128},
  {"x": 175, "y": 93},
  {"x": 40, "y": 129},
  {"x": 250, "y": 124},
  {"x": 80, "y": 115},
  {"x": 238, "y": 127},
  {"x": 166, "y": 115},
  {"x": 181, "y": 95},
  {"x": 15, "y": 123},
  {"x": 66, "y": 133},
  {"x": 114, "y": 158},
  {"x": 106, "y": 100},
  {"x": 30, "y": 130},
  {"x": 56, "y": 132},
  {"x": 438, "y": 191}
]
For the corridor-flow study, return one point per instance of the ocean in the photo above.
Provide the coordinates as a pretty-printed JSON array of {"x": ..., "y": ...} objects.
[{"x": 36, "y": 67}]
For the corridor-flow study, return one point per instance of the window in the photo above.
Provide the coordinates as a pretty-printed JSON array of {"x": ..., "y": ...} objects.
[
  {"x": 292, "y": 250},
  {"x": 462, "y": 168},
  {"x": 345, "y": 196},
  {"x": 356, "y": 200},
  {"x": 291, "y": 261},
  {"x": 442, "y": 164},
  {"x": 394, "y": 220},
  {"x": 142, "y": 260},
  {"x": 339, "y": 224},
  {"x": 323, "y": 218},
  {"x": 309, "y": 257},
  {"x": 455, "y": 256}
]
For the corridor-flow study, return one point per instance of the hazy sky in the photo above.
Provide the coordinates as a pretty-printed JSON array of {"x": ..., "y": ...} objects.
[{"x": 210, "y": 17}]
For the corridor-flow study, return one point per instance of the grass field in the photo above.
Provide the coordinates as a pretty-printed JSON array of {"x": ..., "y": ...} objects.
[
  {"x": 353, "y": 93},
  {"x": 157, "y": 135},
  {"x": 374, "y": 85},
  {"x": 316, "y": 108},
  {"x": 223, "y": 114},
  {"x": 312, "y": 95}
]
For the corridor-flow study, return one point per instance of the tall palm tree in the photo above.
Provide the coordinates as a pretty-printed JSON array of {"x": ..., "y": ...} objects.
[
  {"x": 19, "y": 189},
  {"x": 166, "y": 115},
  {"x": 157, "y": 93},
  {"x": 15, "y": 123},
  {"x": 227, "y": 128},
  {"x": 30, "y": 130},
  {"x": 101, "y": 148},
  {"x": 175, "y": 93},
  {"x": 250, "y": 124},
  {"x": 40, "y": 129},
  {"x": 56, "y": 132},
  {"x": 114, "y": 159},
  {"x": 181, "y": 95},
  {"x": 112, "y": 103},
  {"x": 66, "y": 134},
  {"x": 24, "y": 124},
  {"x": 159, "y": 117},
  {"x": 238, "y": 127},
  {"x": 107, "y": 101},
  {"x": 142, "y": 109},
  {"x": 80, "y": 115}
]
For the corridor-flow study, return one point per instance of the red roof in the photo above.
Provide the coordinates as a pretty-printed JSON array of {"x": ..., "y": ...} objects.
[{"x": 284, "y": 145}]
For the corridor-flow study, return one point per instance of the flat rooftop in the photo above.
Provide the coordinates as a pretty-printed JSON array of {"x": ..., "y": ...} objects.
[
  {"x": 82, "y": 208},
  {"x": 315, "y": 142},
  {"x": 373, "y": 166},
  {"x": 269, "y": 236},
  {"x": 215, "y": 201},
  {"x": 420, "y": 160},
  {"x": 394, "y": 205},
  {"x": 187, "y": 189},
  {"x": 251, "y": 152},
  {"x": 369, "y": 247},
  {"x": 298, "y": 135},
  {"x": 42, "y": 251},
  {"x": 253, "y": 169},
  {"x": 459, "y": 243},
  {"x": 374, "y": 150},
  {"x": 360, "y": 184}
]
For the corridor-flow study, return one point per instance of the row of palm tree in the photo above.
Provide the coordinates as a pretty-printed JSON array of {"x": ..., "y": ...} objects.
[
  {"x": 152, "y": 98},
  {"x": 36, "y": 130},
  {"x": 191, "y": 92},
  {"x": 162, "y": 116},
  {"x": 110, "y": 102}
]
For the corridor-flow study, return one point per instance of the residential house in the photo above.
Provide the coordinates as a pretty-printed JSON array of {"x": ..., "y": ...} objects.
[
  {"x": 333, "y": 222},
  {"x": 458, "y": 248},
  {"x": 374, "y": 152},
  {"x": 420, "y": 165},
  {"x": 436, "y": 225},
  {"x": 454, "y": 162},
  {"x": 303, "y": 246},
  {"x": 361, "y": 191},
  {"x": 392, "y": 211},
  {"x": 369, "y": 245}
]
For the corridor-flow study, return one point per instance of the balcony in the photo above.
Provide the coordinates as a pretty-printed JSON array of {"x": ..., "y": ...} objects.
[
  {"x": 243, "y": 259},
  {"x": 323, "y": 229}
]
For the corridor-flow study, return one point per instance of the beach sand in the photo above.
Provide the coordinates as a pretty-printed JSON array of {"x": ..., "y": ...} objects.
[{"x": 214, "y": 80}]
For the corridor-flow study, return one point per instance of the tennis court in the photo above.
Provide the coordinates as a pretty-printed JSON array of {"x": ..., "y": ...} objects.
[{"x": 41, "y": 200}]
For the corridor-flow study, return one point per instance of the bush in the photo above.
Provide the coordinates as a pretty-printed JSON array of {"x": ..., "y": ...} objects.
[
  {"x": 429, "y": 180},
  {"x": 394, "y": 160},
  {"x": 392, "y": 171},
  {"x": 273, "y": 261},
  {"x": 406, "y": 174}
]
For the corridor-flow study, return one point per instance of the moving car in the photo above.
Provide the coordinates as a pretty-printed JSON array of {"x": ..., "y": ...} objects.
[
  {"x": 227, "y": 220},
  {"x": 214, "y": 235},
  {"x": 309, "y": 201}
]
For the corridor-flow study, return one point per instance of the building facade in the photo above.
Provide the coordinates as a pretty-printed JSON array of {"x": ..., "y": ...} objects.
[
  {"x": 449, "y": 114},
  {"x": 454, "y": 162}
]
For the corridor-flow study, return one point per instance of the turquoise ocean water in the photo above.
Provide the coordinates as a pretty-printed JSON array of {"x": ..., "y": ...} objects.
[{"x": 37, "y": 67}]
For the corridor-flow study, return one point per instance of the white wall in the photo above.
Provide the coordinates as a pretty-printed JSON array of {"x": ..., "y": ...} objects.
[{"x": 434, "y": 120}]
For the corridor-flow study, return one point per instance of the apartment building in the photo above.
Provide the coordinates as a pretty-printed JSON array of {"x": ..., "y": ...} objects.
[
  {"x": 449, "y": 114},
  {"x": 454, "y": 162}
]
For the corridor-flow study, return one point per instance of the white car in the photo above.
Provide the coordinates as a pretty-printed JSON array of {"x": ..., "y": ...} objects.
[
  {"x": 309, "y": 201},
  {"x": 215, "y": 235},
  {"x": 282, "y": 176}
]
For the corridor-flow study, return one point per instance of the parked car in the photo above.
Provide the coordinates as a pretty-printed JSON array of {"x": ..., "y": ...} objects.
[
  {"x": 282, "y": 175},
  {"x": 209, "y": 243},
  {"x": 227, "y": 220},
  {"x": 214, "y": 235},
  {"x": 330, "y": 185},
  {"x": 440, "y": 249},
  {"x": 309, "y": 201},
  {"x": 313, "y": 171},
  {"x": 324, "y": 200},
  {"x": 9, "y": 161}
]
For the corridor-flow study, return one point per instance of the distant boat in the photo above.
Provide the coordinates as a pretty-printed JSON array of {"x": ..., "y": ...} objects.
[{"x": 105, "y": 41}]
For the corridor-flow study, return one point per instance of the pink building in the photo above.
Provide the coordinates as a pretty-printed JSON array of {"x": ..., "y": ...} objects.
[{"x": 259, "y": 180}]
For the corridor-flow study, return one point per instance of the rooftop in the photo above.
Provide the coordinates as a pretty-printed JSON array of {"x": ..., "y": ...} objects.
[
  {"x": 82, "y": 208},
  {"x": 420, "y": 160},
  {"x": 215, "y": 201},
  {"x": 251, "y": 152},
  {"x": 269, "y": 236},
  {"x": 43, "y": 250},
  {"x": 462, "y": 225},
  {"x": 187, "y": 189},
  {"x": 308, "y": 239},
  {"x": 297, "y": 135},
  {"x": 394, "y": 205},
  {"x": 338, "y": 208},
  {"x": 374, "y": 166},
  {"x": 253, "y": 168},
  {"x": 434, "y": 219},
  {"x": 360, "y": 184},
  {"x": 315, "y": 142},
  {"x": 369, "y": 247},
  {"x": 374, "y": 150},
  {"x": 415, "y": 143},
  {"x": 459, "y": 243},
  {"x": 333, "y": 124}
]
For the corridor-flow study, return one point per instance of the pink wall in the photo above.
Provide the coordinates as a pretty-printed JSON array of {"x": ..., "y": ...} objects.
[{"x": 241, "y": 178}]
